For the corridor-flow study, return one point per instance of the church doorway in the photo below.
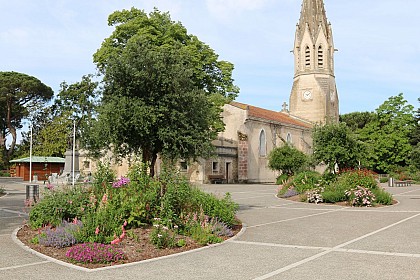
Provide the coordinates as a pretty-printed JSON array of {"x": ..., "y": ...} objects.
[{"x": 228, "y": 172}]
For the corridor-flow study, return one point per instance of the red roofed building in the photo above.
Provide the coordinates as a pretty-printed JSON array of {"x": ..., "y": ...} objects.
[{"x": 250, "y": 134}]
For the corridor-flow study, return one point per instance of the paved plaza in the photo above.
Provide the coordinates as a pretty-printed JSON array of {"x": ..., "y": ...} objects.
[{"x": 281, "y": 240}]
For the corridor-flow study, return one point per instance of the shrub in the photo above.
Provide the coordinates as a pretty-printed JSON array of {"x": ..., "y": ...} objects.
[
  {"x": 360, "y": 196},
  {"x": 306, "y": 180},
  {"x": 58, "y": 205},
  {"x": 61, "y": 236},
  {"x": 353, "y": 178},
  {"x": 383, "y": 180},
  {"x": 282, "y": 179},
  {"x": 2, "y": 191},
  {"x": 94, "y": 253},
  {"x": 287, "y": 159},
  {"x": 382, "y": 197},
  {"x": 333, "y": 196},
  {"x": 4, "y": 173}
]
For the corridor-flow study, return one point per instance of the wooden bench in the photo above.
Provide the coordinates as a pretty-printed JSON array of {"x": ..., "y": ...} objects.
[
  {"x": 404, "y": 183},
  {"x": 216, "y": 178}
]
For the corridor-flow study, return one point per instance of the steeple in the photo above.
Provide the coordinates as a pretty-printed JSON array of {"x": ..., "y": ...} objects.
[
  {"x": 314, "y": 94},
  {"x": 313, "y": 15}
]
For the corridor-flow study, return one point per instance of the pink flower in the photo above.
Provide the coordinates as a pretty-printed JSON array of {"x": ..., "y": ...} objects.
[
  {"x": 97, "y": 230},
  {"x": 115, "y": 241},
  {"x": 104, "y": 198},
  {"x": 125, "y": 223}
]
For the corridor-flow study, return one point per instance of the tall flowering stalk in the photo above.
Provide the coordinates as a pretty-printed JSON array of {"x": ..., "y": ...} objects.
[{"x": 121, "y": 182}]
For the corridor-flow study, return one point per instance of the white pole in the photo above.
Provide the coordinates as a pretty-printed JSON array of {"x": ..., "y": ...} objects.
[
  {"x": 74, "y": 148},
  {"x": 30, "y": 157}
]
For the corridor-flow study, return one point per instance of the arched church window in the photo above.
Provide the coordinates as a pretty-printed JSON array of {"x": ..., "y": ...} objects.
[
  {"x": 289, "y": 138},
  {"x": 307, "y": 57},
  {"x": 263, "y": 144},
  {"x": 320, "y": 57}
]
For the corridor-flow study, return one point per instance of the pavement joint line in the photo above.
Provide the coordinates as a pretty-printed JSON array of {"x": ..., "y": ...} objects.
[
  {"x": 340, "y": 246},
  {"x": 259, "y": 192},
  {"x": 296, "y": 218},
  {"x": 13, "y": 212},
  {"x": 280, "y": 245},
  {"x": 245, "y": 198},
  {"x": 405, "y": 192},
  {"x": 395, "y": 254},
  {"x": 299, "y": 208},
  {"x": 340, "y": 250},
  {"x": 23, "y": 265},
  {"x": 12, "y": 217}
]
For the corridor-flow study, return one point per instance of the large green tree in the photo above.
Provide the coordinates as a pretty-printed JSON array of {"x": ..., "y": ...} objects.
[
  {"x": 388, "y": 136},
  {"x": 53, "y": 125},
  {"x": 287, "y": 159},
  {"x": 335, "y": 144},
  {"x": 415, "y": 134},
  {"x": 357, "y": 120},
  {"x": 20, "y": 96},
  {"x": 163, "y": 90}
]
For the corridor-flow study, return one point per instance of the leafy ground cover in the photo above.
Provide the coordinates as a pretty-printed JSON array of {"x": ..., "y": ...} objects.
[
  {"x": 351, "y": 188},
  {"x": 134, "y": 218}
]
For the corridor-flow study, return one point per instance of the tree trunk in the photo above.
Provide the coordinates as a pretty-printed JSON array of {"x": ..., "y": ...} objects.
[
  {"x": 12, "y": 131},
  {"x": 152, "y": 165}
]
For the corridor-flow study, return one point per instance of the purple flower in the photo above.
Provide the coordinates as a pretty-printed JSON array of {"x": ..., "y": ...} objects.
[{"x": 121, "y": 182}]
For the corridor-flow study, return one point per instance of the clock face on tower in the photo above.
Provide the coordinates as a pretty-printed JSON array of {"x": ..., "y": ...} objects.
[{"x": 307, "y": 95}]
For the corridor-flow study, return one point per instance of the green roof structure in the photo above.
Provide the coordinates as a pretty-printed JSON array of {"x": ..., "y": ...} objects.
[{"x": 38, "y": 159}]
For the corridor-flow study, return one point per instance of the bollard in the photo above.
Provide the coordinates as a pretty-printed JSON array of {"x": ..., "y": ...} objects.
[{"x": 32, "y": 193}]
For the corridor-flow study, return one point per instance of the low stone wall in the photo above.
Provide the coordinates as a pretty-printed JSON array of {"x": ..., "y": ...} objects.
[{"x": 5, "y": 180}]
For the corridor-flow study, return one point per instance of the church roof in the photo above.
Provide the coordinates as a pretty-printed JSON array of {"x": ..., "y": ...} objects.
[
  {"x": 280, "y": 117},
  {"x": 313, "y": 14}
]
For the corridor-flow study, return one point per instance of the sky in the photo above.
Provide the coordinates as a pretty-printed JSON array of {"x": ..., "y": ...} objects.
[{"x": 378, "y": 43}]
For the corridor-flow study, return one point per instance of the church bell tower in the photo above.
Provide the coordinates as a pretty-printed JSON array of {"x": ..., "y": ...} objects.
[{"x": 314, "y": 93}]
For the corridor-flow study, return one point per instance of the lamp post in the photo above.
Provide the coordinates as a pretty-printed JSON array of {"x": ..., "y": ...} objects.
[
  {"x": 30, "y": 157},
  {"x": 74, "y": 150}
]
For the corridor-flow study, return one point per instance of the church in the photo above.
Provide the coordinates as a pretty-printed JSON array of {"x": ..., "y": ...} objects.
[{"x": 251, "y": 133}]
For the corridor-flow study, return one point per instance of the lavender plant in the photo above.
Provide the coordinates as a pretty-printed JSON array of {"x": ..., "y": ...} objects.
[
  {"x": 94, "y": 253},
  {"x": 220, "y": 228},
  {"x": 61, "y": 236},
  {"x": 290, "y": 192}
]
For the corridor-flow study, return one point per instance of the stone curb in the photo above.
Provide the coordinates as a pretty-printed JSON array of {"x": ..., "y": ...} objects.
[{"x": 80, "y": 268}]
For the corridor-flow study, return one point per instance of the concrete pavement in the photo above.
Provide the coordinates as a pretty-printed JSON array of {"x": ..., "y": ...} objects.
[{"x": 282, "y": 240}]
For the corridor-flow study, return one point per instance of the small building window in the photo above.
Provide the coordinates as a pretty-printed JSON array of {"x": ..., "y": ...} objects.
[
  {"x": 289, "y": 138},
  {"x": 86, "y": 164},
  {"x": 215, "y": 167},
  {"x": 320, "y": 57},
  {"x": 307, "y": 57},
  {"x": 183, "y": 166},
  {"x": 263, "y": 145}
]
